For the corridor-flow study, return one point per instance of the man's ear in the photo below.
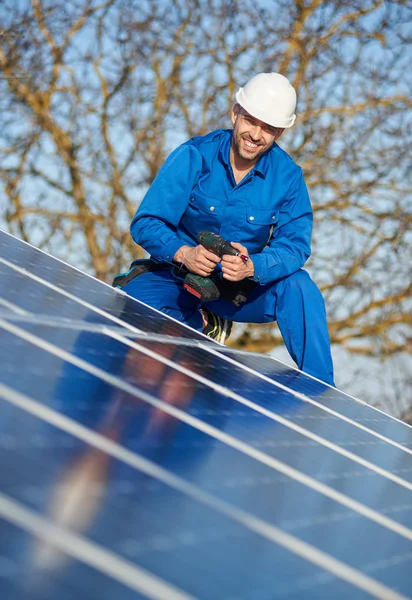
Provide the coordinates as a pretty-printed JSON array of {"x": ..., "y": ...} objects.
[
  {"x": 279, "y": 133},
  {"x": 235, "y": 112}
]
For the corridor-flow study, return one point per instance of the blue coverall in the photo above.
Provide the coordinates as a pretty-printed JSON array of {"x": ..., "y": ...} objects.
[{"x": 269, "y": 212}]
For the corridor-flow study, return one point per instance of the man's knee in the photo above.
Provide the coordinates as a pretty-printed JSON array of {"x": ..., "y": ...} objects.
[
  {"x": 140, "y": 286},
  {"x": 301, "y": 283},
  {"x": 300, "y": 280}
]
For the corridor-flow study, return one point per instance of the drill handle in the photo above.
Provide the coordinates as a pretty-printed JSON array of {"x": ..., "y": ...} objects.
[{"x": 216, "y": 244}]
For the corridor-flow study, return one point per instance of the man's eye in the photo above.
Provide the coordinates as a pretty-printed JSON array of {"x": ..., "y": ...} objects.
[{"x": 271, "y": 130}]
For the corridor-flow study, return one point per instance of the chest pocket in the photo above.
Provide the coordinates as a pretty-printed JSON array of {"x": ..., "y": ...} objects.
[
  {"x": 259, "y": 224},
  {"x": 202, "y": 213}
]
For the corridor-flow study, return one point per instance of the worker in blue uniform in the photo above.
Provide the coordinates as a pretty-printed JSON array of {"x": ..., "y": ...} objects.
[{"x": 241, "y": 185}]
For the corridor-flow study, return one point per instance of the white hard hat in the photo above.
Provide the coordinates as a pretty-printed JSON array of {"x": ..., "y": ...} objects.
[{"x": 270, "y": 98}]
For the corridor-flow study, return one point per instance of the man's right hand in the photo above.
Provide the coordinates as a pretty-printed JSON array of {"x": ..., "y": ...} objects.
[{"x": 197, "y": 260}]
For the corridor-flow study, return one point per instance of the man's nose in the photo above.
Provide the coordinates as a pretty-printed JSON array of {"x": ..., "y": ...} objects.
[{"x": 256, "y": 132}]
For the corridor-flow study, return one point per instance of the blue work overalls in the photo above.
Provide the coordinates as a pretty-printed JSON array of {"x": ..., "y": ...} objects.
[{"x": 269, "y": 212}]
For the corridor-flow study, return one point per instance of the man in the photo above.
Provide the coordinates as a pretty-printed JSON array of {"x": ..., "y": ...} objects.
[{"x": 239, "y": 184}]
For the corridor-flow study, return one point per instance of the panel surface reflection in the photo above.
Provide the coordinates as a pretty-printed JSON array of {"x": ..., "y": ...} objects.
[
  {"x": 27, "y": 293},
  {"x": 25, "y": 573},
  {"x": 198, "y": 457},
  {"x": 324, "y": 394},
  {"x": 140, "y": 519}
]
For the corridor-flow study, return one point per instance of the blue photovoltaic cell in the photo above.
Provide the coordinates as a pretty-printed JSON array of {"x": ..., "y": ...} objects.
[
  {"x": 6, "y": 312},
  {"x": 252, "y": 486},
  {"x": 144, "y": 521},
  {"x": 26, "y": 293},
  {"x": 304, "y": 414},
  {"x": 31, "y": 296},
  {"x": 23, "y": 578},
  {"x": 244, "y": 382},
  {"x": 91, "y": 290},
  {"x": 245, "y": 423},
  {"x": 216, "y": 446},
  {"x": 332, "y": 398}
]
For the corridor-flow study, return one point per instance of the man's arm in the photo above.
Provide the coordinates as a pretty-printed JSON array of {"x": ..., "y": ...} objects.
[
  {"x": 155, "y": 224},
  {"x": 289, "y": 247}
]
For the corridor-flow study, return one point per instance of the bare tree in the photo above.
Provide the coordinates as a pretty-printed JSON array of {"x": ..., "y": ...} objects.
[{"x": 95, "y": 94}]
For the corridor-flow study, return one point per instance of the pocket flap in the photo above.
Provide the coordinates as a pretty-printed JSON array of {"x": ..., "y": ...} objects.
[
  {"x": 260, "y": 216},
  {"x": 205, "y": 203}
]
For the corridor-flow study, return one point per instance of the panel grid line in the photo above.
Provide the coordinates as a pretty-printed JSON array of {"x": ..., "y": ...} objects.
[
  {"x": 266, "y": 412},
  {"x": 13, "y": 307},
  {"x": 90, "y": 553},
  {"x": 228, "y": 351},
  {"x": 83, "y": 302},
  {"x": 60, "y": 290},
  {"x": 72, "y": 324},
  {"x": 244, "y": 448},
  {"x": 207, "y": 346},
  {"x": 262, "y": 528},
  {"x": 309, "y": 400}
]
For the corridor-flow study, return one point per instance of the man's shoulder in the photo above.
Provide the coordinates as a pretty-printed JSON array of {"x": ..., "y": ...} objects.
[
  {"x": 279, "y": 158},
  {"x": 279, "y": 154},
  {"x": 210, "y": 140}
]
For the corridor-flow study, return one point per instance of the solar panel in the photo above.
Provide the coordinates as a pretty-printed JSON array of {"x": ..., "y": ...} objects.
[
  {"x": 140, "y": 459},
  {"x": 42, "y": 283}
]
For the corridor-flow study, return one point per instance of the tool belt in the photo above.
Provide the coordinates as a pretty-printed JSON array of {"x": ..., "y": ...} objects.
[
  {"x": 235, "y": 292},
  {"x": 138, "y": 267}
]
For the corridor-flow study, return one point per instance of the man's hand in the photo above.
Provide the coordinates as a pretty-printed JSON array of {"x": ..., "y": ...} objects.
[
  {"x": 236, "y": 268},
  {"x": 197, "y": 260}
]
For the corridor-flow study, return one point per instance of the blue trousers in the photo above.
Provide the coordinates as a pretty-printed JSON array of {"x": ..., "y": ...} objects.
[{"x": 295, "y": 302}]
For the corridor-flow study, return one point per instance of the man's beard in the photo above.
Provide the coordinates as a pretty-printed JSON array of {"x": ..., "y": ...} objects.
[{"x": 252, "y": 156}]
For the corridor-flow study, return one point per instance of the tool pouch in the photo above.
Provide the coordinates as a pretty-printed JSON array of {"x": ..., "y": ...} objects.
[
  {"x": 211, "y": 288},
  {"x": 138, "y": 267},
  {"x": 236, "y": 292}
]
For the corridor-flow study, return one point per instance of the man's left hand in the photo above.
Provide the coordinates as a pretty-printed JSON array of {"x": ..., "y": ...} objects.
[{"x": 235, "y": 268}]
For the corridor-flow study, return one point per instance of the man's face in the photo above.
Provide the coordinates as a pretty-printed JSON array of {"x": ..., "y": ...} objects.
[{"x": 251, "y": 137}]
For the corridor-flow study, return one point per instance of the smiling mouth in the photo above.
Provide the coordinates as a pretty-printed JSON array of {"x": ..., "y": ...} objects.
[{"x": 250, "y": 145}]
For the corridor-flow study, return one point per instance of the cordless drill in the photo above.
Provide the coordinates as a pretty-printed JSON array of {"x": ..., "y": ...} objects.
[{"x": 205, "y": 288}]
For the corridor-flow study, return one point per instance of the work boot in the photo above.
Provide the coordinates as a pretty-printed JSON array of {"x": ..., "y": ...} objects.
[{"x": 215, "y": 327}]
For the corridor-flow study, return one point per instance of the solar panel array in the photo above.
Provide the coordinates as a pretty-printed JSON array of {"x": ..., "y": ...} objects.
[{"x": 139, "y": 459}]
